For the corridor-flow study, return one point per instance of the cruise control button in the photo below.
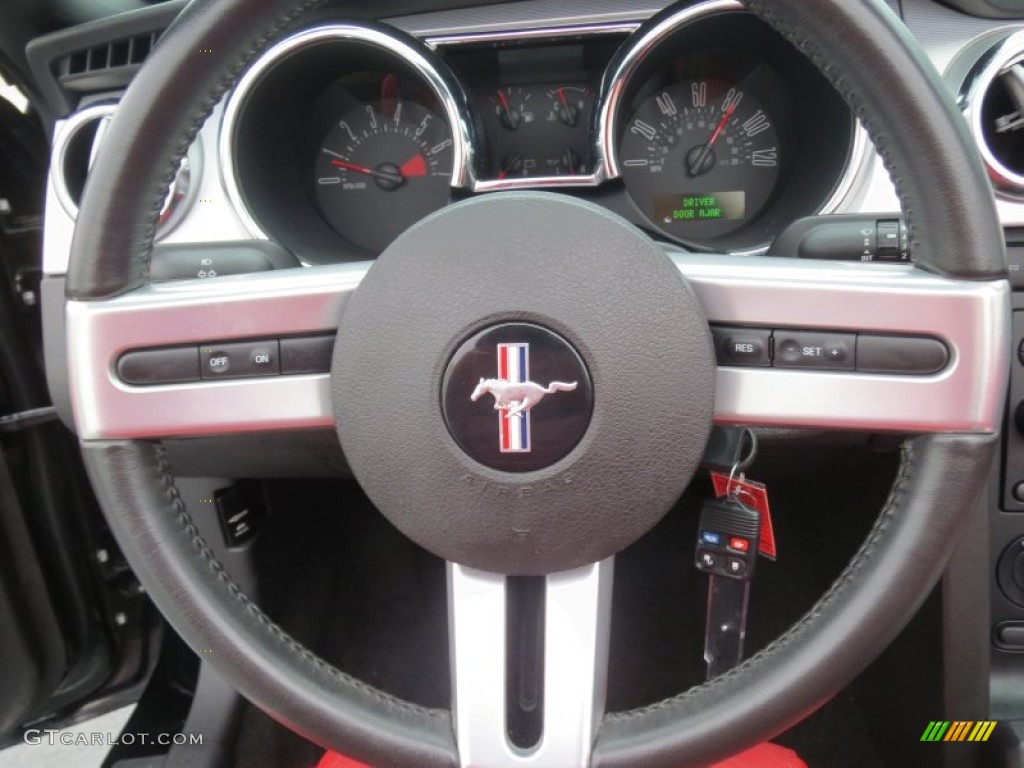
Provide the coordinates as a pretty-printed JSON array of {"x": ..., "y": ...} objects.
[
  {"x": 814, "y": 349},
  {"x": 742, "y": 346},
  {"x": 240, "y": 359}
]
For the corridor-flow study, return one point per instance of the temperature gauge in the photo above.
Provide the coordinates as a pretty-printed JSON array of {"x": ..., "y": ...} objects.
[{"x": 567, "y": 104}]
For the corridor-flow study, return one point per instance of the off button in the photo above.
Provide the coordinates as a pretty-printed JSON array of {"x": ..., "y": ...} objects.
[{"x": 240, "y": 359}]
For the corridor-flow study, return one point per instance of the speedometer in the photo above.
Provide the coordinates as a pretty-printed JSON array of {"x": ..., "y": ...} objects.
[{"x": 700, "y": 158}]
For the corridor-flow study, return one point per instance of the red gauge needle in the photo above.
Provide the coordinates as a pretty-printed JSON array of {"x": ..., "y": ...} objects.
[
  {"x": 353, "y": 167},
  {"x": 509, "y": 116},
  {"x": 417, "y": 166},
  {"x": 568, "y": 114},
  {"x": 721, "y": 124},
  {"x": 697, "y": 158},
  {"x": 387, "y": 175}
]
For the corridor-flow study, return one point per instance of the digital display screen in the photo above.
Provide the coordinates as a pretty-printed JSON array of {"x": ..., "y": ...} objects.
[{"x": 699, "y": 206}]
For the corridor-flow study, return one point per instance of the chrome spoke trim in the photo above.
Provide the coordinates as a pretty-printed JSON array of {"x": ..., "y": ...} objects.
[
  {"x": 972, "y": 318},
  {"x": 577, "y": 626}
]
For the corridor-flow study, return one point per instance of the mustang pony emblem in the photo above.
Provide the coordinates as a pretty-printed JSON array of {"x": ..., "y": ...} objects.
[
  {"x": 515, "y": 395},
  {"x": 517, "y": 399}
]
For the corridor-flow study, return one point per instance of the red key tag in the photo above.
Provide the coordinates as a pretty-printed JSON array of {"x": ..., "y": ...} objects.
[{"x": 753, "y": 495}]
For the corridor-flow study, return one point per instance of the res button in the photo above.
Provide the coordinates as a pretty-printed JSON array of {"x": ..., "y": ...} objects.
[{"x": 742, "y": 346}]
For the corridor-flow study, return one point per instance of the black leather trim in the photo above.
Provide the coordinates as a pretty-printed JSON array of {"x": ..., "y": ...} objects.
[
  {"x": 885, "y": 77},
  {"x": 899, "y": 563},
  {"x": 147, "y": 516}
]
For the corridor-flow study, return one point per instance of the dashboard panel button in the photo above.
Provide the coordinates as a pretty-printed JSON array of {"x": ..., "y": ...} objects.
[
  {"x": 171, "y": 365},
  {"x": 742, "y": 346},
  {"x": 1010, "y": 635},
  {"x": 240, "y": 359},
  {"x": 815, "y": 349}
]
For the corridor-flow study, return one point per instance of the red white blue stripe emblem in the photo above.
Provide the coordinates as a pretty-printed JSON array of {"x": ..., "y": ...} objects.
[{"x": 514, "y": 367}]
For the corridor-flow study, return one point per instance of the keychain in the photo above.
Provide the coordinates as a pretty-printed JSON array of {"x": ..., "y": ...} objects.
[{"x": 733, "y": 529}]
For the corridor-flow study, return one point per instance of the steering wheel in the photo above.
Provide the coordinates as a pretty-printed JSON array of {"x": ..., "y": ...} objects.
[{"x": 623, "y": 323}]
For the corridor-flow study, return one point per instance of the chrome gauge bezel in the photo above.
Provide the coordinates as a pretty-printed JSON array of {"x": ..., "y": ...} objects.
[
  {"x": 599, "y": 174},
  {"x": 611, "y": 99},
  {"x": 442, "y": 84},
  {"x": 612, "y": 103}
]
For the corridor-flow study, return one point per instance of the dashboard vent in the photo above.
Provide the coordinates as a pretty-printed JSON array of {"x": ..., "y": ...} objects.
[
  {"x": 127, "y": 52},
  {"x": 992, "y": 96},
  {"x": 74, "y": 149}
]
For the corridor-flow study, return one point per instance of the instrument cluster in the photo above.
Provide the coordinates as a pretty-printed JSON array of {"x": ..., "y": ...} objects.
[{"x": 702, "y": 125}]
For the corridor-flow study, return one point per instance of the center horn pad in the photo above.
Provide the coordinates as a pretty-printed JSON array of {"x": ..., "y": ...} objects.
[{"x": 523, "y": 383}]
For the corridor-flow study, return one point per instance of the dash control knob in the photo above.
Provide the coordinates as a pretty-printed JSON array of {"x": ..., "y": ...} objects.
[{"x": 1010, "y": 572}]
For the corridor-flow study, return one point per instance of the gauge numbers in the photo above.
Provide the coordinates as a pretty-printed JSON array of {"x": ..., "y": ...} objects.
[
  {"x": 700, "y": 158},
  {"x": 381, "y": 168}
]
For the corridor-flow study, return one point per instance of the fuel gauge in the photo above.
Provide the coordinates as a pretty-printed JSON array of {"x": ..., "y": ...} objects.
[{"x": 512, "y": 106}]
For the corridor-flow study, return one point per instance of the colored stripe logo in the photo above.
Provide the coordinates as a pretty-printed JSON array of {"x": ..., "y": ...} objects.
[
  {"x": 514, "y": 368},
  {"x": 958, "y": 730}
]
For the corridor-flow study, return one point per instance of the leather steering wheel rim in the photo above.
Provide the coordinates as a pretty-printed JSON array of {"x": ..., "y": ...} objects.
[{"x": 875, "y": 65}]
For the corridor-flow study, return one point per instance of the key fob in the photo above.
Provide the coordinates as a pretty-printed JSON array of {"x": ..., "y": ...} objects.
[{"x": 727, "y": 539}]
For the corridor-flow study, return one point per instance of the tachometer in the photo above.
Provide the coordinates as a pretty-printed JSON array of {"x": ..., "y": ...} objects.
[
  {"x": 381, "y": 168},
  {"x": 700, "y": 158}
]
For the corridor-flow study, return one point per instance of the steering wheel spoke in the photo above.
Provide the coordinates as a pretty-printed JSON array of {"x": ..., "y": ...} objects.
[
  {"x": 574, "y": 632},
  {"x": 736, "y": 291},
  {"x": 855, "y": 300},
  {"x": 202, "y": 316}
]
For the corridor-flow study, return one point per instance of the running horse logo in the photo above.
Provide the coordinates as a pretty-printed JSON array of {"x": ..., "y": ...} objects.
[{"x": 515, "y": 396}]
